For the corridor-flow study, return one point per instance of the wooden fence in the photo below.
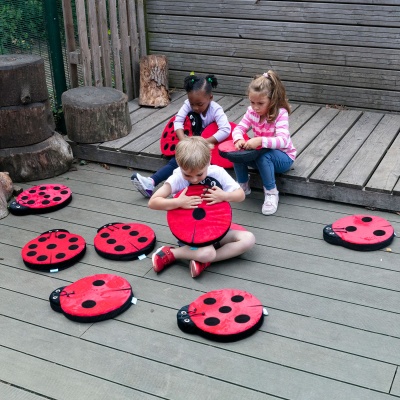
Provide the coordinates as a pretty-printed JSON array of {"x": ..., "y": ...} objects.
[
  {"x": 112, "y": 39},
  {"x": 327, "y": 52}
]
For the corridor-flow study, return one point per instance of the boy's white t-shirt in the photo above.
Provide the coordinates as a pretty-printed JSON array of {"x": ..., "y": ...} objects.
[{"x": 215, "y": 175}]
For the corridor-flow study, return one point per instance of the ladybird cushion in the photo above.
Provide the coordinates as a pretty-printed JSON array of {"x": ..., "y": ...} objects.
[
  {"x": 169, "y": 139},
  {"x": 228, "y": 150},
  {"x": 41, "y": 199},
  {"x": 222, "y": 315},
  {"x": 124, "y": 240},
  {"x": 360, "y": 232},
  {"x": 216, "y": 158},
  {"x": 93, "y": 298},
  {"x": 203, "y": 225},
  {"x": 53, "y": 250}
]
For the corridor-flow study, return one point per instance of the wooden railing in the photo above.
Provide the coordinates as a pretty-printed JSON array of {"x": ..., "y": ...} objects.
[{"x": 112, "y": 39}]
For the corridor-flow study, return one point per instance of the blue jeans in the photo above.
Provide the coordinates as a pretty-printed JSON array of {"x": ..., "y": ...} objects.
[
  {"x": 271, "y": 162},
  {"x": 165, "y": 172}
]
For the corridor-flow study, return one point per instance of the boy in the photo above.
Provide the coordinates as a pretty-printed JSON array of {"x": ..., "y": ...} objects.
[{"x": 193, "y": 158}]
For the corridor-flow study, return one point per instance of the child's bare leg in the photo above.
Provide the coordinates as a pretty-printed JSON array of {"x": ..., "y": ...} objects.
[
  {"x": 202, "y": 254},
  {"x": 233, "y": 244}
]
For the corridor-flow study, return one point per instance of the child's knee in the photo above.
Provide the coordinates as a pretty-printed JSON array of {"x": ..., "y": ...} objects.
[
  {"x": 248, "y": 240},
  {"x": 206, "y": 254}
]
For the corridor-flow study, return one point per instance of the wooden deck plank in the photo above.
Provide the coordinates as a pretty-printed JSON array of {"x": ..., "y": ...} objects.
[
  {"x": 313, "y": 174},
  {"x": 341, "y": 155},
  {"x": 7, "y": 391},
  {"x": 312, "y": 128},
  {"x": 54, "y": 381},
  {"x": 362, "y": 165},
  {"x": 332, "y": 329},
  {"x": 386, "y": 176},
  {"x": 395, "y": 391},
  {"x": 148, "y": 376},
  {"x": 370, "y": 343},
  {"x": 278, "y": 349},
  {"x": 300, "y": 116},
  {"x": 223, "y": 364},
  {"x": 321, "y": 145}
]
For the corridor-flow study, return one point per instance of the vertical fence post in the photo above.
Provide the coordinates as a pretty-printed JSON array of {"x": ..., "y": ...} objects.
[{"x": 54, "y": 40}]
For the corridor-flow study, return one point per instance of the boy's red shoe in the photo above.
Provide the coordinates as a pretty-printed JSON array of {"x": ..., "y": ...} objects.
[
  {"x": 162, "y": 257},
  {"x": 196, "y": 267}
]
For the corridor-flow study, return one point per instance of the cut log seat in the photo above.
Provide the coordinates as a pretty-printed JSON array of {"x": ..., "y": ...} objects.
[{"x": 95, "y": 114}]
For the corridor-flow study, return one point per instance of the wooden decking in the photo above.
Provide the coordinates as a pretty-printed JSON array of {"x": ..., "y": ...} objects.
[
  {"x": 348, "y": 156},
  {"x": 332, "y": 331}
]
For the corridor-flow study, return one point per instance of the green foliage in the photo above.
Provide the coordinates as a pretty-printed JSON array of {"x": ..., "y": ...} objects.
[{"x": 21, "y": 25}]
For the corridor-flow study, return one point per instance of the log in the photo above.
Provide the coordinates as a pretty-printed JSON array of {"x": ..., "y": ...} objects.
[
  {"x": 6, "y": 190},
  {"x": 25, "y": 125},
  {"x": 22, "y": 80},
  {"x": 42, "y": 160},
  {"x": 154, "y": 81},
  {"x": 95, "y": 114}
]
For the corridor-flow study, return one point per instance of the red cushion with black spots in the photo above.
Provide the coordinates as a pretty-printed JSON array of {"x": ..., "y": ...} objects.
[
  {"x": 169, "y": 140},
  {"x": 222, "y": 315},
  {"x": 124, "y": 241},
  {"x": 227, "y": 150},
  {"x": 93, "y": 298},
  {"x": 216, "y": 158},
  {"x": 360, "y": 232},
  {"x": 203, "y": 225},
  {"x": 41, "y": 199},
  {"x": 53, "y": 250}
]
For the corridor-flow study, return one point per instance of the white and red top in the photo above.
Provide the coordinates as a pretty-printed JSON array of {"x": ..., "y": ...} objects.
[{"x": 215, "y": 113}]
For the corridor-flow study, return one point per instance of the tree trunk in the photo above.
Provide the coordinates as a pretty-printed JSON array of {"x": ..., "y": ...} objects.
[
  {"x": 22, "y": 80},
  {"x": 96, "y": 114},
  {"x": 6, "y": 190},
  {"x": 154, "y": 81},
  {"x": 39, "y": 161},
  {"x": 25, "y": 125}
]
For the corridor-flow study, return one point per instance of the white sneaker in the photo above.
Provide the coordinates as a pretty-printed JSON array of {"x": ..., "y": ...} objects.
[
  {"x": 270, "y": 201},
  {"x": 144, "y": 185},
  {"x": 246, "y": 187}
]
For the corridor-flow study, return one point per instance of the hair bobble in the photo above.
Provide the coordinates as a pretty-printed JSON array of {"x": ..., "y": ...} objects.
[
  {"x": 266, "y": 75},
  {"x": 210, "y": 80}
]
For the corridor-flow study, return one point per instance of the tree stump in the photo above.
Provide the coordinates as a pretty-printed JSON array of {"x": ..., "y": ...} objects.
[
  {"x": 154, "y": 81},
  {"x": 6, "y": 190},
  {"x": 25, "y": 125},
  {"x": 29, "y": 147},
  {"x": 22, "y": 80},
  {"x": 96, "y": 114},
  {"x": 42, "y": 160}
]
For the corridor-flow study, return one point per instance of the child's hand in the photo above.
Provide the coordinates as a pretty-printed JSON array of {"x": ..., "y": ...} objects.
[
  {"x": 239, "y": 144},
  {"x": 253, "y": 143},
  {"x": 188, "y": 201},
  {"x": 214, "y": 195}
]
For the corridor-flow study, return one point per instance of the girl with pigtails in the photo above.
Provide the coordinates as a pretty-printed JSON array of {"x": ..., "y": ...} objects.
[
  {"x": 268, "y": 116},
  {"x": 202, "y": 111}
]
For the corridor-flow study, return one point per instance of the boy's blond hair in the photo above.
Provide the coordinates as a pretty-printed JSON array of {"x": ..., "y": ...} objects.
[{"x": 193, "y": 153}]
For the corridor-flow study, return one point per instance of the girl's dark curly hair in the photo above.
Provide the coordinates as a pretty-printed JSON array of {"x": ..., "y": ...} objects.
[{"x": 194, "y": 83}]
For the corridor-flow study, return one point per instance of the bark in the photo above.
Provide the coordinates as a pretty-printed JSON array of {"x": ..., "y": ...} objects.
[
  {"x": 96, "y": 114},
  {"x": 154, "y": 81}
]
